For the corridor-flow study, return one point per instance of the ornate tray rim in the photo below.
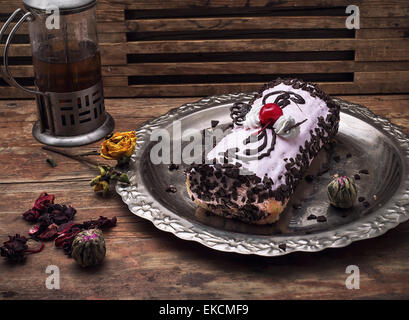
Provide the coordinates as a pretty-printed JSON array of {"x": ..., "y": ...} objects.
[{"x": 142, "y": 204}]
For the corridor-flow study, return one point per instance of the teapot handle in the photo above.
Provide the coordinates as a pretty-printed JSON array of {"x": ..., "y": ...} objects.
[{"x": 7, "y": 76}]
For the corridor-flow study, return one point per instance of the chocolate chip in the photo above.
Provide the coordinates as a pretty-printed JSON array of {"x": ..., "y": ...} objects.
[
  {"x": 282, "y": 246},
  {"x": 173, "y": 166},
  {"x": 214, "y": 123},
  {"x": 361, "y": 199},
  {"x": 171, "y": 188},
  {"x": 364, "y": 171},
  {"x": 312, "y": 217},
  {"x": 357, "y": 176},
  {"x": 309, "y": 178},
  {"x": 297, "y": 206},
  {"x": 321, "y": 219}
]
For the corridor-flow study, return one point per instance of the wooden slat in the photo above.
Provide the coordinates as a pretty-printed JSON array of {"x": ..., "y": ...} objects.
[
  {"x": 361, "y": 87},
  {"x": 257, "y": 23},
  {"x": 258, "y": 67},
  {"x": 200, "y": 4},
  {"x": 368, "y": 8},
  {"x": 102, "y": 26},
  {"x": 382, "y": 50},
  {"x": 382, "y": 33},
  {"x": 252, "y": 67},
  {"x": 229, "y": 23},
  {"x": 236, "y": 23},
  {"x": 248, "y": 45}
]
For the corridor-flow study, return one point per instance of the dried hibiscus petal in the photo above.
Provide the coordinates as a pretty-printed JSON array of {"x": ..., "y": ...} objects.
[
  {"x": 14, "y": 248},
  {"x": 40, "y": 207},
  {"x": 49, "y": 233},
  {"x": 33, "y": 230},
  {"x": 101, "y": 223}
]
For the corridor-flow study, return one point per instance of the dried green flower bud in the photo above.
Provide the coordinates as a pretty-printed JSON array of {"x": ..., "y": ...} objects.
[
  {"x": 124, "y": 178},
  {"x": 95, "y": 181},
  {"x": 342, "y": 192},
  {"x": 102, "y": 171},
  {"x": 88, "y": 248}
]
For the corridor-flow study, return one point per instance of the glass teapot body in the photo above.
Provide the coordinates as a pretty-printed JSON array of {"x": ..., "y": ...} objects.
[
  {"x": 67, "y": 71},
  {"x": 65, "y": 50}
]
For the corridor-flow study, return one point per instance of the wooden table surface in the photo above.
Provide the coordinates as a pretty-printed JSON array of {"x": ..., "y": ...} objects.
[{"x": 145, "y": 263}]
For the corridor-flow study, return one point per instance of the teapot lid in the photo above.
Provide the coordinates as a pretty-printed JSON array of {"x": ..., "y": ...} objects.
[{"x": 65, "y": 6}]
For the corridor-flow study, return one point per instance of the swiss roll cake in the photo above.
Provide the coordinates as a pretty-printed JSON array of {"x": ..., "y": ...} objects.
[{"x": 253, "y": 170}]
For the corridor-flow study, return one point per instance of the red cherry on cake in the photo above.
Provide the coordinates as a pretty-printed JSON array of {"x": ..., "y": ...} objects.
[{"x": 269, "y": 113}]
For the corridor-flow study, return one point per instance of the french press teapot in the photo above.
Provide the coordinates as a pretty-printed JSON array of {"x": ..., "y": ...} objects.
[{"x": 67, "y": 71}]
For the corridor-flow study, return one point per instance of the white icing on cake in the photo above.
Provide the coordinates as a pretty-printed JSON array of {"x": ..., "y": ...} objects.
[{"x": 274, "y": 164}]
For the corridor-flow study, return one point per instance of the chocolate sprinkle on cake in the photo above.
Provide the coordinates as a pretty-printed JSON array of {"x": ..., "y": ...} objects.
[
  {"x": 173, "y": 166},
  {"x": 321, "y": 219},
  {"x": 217, "y": 184},
  {"x": 171, "y": 189},
  {"x": 214, "y": 123}
]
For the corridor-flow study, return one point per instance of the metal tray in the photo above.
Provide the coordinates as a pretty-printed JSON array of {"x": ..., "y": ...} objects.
[{"x": 374, "y": 143}]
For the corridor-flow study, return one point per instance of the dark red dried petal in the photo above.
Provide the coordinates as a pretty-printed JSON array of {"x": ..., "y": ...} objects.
[
  {"x": 33, "y": 230},
  {"x": 50, "y": 233},
  {"x": 101, "y": 223},
  {"x": 14, "y": 248},
  {"x": 44, "y": 201},
  {"x": 40, "y": 207},
  {"x": 65, "y": 237},
  {"x": 31, "y": 215}
]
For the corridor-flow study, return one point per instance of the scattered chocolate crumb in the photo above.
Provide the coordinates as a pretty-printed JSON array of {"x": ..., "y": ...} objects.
[
  {"x": 337, "y": 158},
  {"x": 349, "y": 155},
  {"x": 285, "y": 159},
  {"x": 364, "y": 171},
  {"x": 51, "y": 162},
  {"x": 297, "y": 206},
  {"x": 361, "y": 199},
  {"x": 171, "y": 188},
  {"x": 173, "y": 166},
  {"x": 214, "y": 123},
  {"x": 357, "y": 176},
  {"x": 321, "y": 219},
  {"x": 309, "y": 178},
  {"x": 279, "y": 177},
  {"x": 312, "y": 217},
  {"x": 282, "y": 246},
  {"x": 366, "y": 204}
]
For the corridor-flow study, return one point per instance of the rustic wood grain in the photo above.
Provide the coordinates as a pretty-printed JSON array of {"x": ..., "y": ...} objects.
[
  {"x": 237, "y": 37},
  {"x": 145, "y": 263}
]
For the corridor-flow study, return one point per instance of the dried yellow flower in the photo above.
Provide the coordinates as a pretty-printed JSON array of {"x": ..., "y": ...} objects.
[{"x": 121, "y": 144}]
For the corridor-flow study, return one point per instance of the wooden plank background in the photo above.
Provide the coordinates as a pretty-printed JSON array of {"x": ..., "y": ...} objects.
[{"x": 204, "y": 47}]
